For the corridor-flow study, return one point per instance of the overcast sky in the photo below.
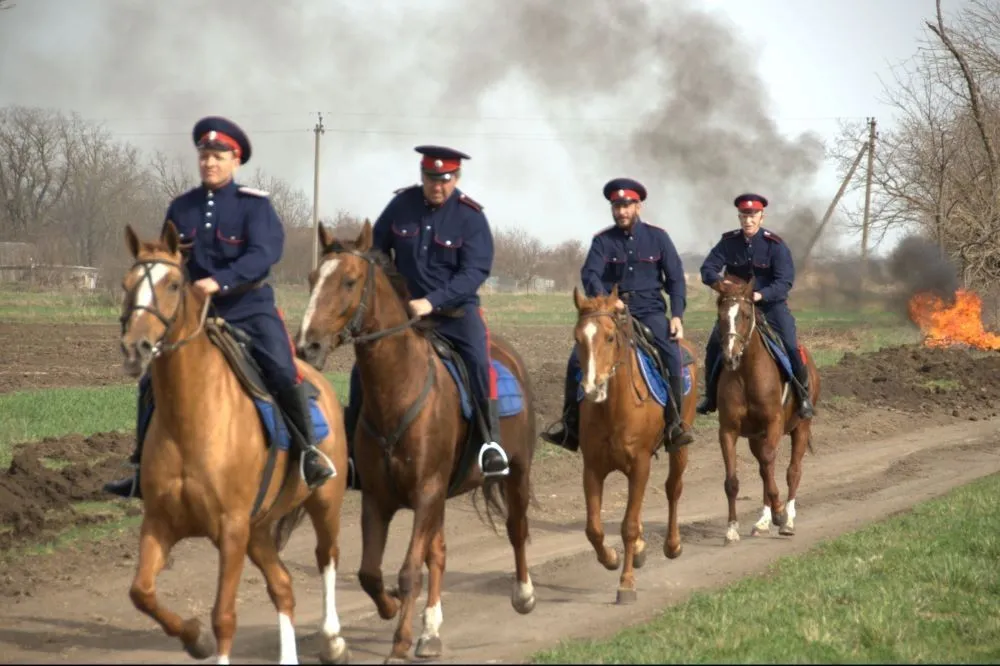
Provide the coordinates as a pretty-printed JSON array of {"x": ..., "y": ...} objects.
[{"x": 550, "y": 99}]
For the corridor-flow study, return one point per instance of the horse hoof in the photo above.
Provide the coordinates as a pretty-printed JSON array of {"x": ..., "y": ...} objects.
[
  {"x": 639, "y": 559},
  {"x": 524, "y": 606},
  {"x": 428, "y": 648},
  {"x": 396, "y": 660},
  {"x": 612, "y": 562},
  {"x": 672, "y": 554},
  {"x": 780, "y": 519},
  {"x": 731, "y": 539},
  {"x": 335, "y": 652},
  {"x": 758, "y": 531},
  {"x": 626, "y": 596},
  {"x": 203, "y": 646},
  {"x": 787, "y": 530}
]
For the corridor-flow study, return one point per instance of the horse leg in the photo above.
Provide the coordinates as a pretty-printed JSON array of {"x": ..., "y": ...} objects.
[
  {"x": 324, "y": 513},
  {"x": 765, "y": 449},
  {"x": 375, "y": 520},
  {"x": 155, "y": 542},
  {"x": 264, "y": 554},
  {"x": 632, "y": 527},
  {"x": 763, "y": 524},
  {"x": 428, "y": 520},
  {"x": 518, "y": 495},
  {"x": 593, "y": 491},
  {"x": 672, "y": 547},
  {"x": 727, "y": 441},
  {"x": 233, "y": 543},
  {"x": 800, "y": 442},
  {"x": 429, "y": 644}
]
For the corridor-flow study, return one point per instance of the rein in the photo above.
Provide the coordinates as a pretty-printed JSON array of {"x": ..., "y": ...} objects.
[
  {"x": 741, "y": 338},
  {"x": 161, "y": 347},
  {"x": 351, "y": 333}
]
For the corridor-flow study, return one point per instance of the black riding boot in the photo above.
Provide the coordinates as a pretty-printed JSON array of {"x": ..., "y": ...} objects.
[
  {"x": 678, "y": 432},
  {"x": 568, "y": 434},
  {"x": 492, "y": 458},
  {"x": 129, "y": 488},
  {"x": 802, "y": 387},
  {"x": 295, "y": 403},
  {"x": 707, "y": 404}
]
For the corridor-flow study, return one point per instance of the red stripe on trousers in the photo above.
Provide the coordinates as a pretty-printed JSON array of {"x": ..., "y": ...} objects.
[{"x": 489, "y": 360}]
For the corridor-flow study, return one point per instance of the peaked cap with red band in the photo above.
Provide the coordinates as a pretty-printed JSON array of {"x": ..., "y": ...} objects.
[
  {"x": 440, "y": 162},
  {"x": 624, "y": 189},
  {"x": 750, "y": 202},
  {"x": 218, "y": 133}
]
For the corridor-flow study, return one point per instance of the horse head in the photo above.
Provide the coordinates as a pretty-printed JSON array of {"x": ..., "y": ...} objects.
[
  {"x": 154, "y": 297},
  {"x": 599, "y": 341},
  {"x": 737, "y": 319}
]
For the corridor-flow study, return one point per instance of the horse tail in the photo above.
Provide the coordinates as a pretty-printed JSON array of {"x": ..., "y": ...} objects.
[
  {"x": 494, "y": 503},
  {"x": 285, "y": 525}
]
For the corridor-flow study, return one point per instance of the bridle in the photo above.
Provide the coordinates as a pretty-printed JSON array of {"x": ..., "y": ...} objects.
[
  {"x": 736, "y": 300},
  {"x": 160, "y": 347},
  {"x": 622, "y": 342},
  {"x": 352, "y": 333}
]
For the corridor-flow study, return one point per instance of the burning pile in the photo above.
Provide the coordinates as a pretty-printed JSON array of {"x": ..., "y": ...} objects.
[{"x": 958, "y": 323}]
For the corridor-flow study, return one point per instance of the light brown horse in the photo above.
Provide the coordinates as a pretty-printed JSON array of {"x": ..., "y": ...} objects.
[
  {"x": 411, "y": 441},
  {"x": 755, "y": 402},
  {"x": 204, "y": 459},
  {"x": 621, "y": 426}
]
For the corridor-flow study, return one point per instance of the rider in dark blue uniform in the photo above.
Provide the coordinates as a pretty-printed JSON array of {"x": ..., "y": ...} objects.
[
  {"x": 441, "y": 244},
  {"x": 760, "y": 253},
  {"x": 642, "y": 260},
  {"x": 231, "y": 236}
]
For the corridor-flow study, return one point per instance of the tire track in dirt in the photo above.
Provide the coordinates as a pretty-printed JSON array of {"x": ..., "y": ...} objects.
[{"x": 844, "y": 486}]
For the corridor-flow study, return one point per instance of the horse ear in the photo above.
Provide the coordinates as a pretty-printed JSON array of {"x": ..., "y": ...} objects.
[
  {"x": 169, "y": 236},
  {"x": 131, "y": 241},
  {"x": 750, "y": 284},
  {"x": 614, "y": 293},
  {"x": 578, "y": 299},
  {"x": 326, "y": 238},
  {"x": 364, "y": 242}
]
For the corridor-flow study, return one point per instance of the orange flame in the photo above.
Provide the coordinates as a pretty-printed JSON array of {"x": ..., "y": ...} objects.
[{"x": 946, "y": 325}]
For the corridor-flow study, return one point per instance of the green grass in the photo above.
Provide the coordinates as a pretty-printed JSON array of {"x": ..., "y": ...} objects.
[
  {"x": 28, "y": 416},
  {"x": 920, "y": 587}
]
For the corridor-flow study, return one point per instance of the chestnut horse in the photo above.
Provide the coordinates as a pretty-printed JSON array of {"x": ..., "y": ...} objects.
[
  {"x": 755, "y": 401},
  {"x": 205, "y": 456},
  {"x": 621, "y": 426},
  {"x": 411, "y": 442}
]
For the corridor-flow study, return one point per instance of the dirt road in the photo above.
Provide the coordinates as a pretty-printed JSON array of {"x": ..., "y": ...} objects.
[{"x": 83, "y": 615}]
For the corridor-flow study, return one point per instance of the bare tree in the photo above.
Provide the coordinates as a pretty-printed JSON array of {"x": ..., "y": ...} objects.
[
  {"x": 292, "y": 205},
  {"x": 517, "y": 255},
  {"x": 171, "y": 176},
  {"x": 562, "y": 264}
]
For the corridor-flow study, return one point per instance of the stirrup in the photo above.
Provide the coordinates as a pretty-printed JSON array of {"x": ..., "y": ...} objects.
[
  {"x": 503, "y": 454},
  {"x": 302, "y": 463}
]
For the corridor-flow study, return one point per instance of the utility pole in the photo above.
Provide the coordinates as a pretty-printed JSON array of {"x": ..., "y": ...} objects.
[
  {"x": 833, "y": 204},
  {"x": 317, "y": 130},
  {"x": 868, "y": 200}
]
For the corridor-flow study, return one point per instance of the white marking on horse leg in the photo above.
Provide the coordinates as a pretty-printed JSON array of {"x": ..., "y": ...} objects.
[
  {"x": 433, "y": 618},
  {"x": 147, "y": 285},
  {"x": 733, "y": 533},
  {"x": 589, "y": 381},
  {"x": 325, "y": 270},
  {"x": 286, "y": 631},
  {"x": 523, "y": 596},
  {"x": 734, "y": 310},
  {"x": 223, "y": 660},
  {"x": 335, "y": 644},
  {"x": 790, "y": 509},
  {"x": 764, "y": 523}
]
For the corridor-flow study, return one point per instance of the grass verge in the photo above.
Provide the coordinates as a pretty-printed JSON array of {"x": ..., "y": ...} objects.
[{"x": 919, "y": 587}]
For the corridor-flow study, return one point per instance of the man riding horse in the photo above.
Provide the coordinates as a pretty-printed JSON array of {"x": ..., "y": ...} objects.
[
  {"x": 441, "y": 244},
  {"x": 231, "y": 237},
  {"x": 642, "y": 260},
  {"x": 754, "y": 252}
]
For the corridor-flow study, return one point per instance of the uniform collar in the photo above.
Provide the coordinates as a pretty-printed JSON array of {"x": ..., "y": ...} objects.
[
  {"x": 427, "y": 204},
  {"x": 228, "y": 188},
  {"x": 630, "y": 232},
  {"x": 760, "y": 230}
]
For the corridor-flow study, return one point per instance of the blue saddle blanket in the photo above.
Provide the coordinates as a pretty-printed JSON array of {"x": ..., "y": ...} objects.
[
  {"x": 654, "y": 379},
  {"x": 277, "y": 431},
  {"x": 510, "y": 399}
]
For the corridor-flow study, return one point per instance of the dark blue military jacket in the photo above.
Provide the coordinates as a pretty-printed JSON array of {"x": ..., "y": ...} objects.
[
  {"x": 443, "y": 253},
  {"x": 234, "y": 236},
  {"x": 642, "y": 262},
  {"x": 765, "y": 256}
]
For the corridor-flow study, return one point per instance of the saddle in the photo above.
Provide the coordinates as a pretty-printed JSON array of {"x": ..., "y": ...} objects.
[{"x": 646, "y": 341}]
